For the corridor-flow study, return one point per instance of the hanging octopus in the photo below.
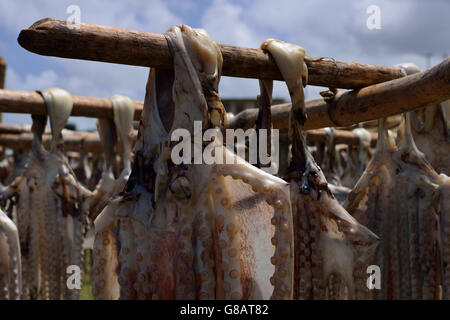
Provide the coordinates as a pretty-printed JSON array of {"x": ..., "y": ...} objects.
[
  {"x": 115, "y": 135},
  {"x": 50, "y": 217},
  {"x": 357, "y": 158},
  {"x": 431, "y": 129},
  {"x": 402, "y": 198},
  {"x": 331, "y": 165},
  {"x": 10, "y": 266},
  {"x": 208, "y": 230},
  {"x": 332, "y": 250}
]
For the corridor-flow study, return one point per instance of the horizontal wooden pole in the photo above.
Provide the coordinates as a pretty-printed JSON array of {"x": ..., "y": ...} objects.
[
  {"x": 341, "y": 137},
  {"x": 348, "y": 107},
  {"x": 391, "y": 122},
  {"x": 20, "y": 137},
  {"x": 14, "y": 129},
  {"x": 377, "y": 101},
  {"x": 88, "y": 142},
  {"x": 53, "y": 37},
  {"x": 33, "y": 103}
]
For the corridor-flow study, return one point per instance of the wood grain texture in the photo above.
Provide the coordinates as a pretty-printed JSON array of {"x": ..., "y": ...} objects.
[
  {"x": 33, "y": 103},
  {"x": 373, "y": 102},
  {"x": 349, "y": 107},
  {"x": 20, "y": 137},
  {"x": 53, "y": 37},
  {"x": 87, "y": 142}
]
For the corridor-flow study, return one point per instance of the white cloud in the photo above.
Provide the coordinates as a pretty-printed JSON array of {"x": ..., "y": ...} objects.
[
  {"x": 224, "y": 21},
  {"x": 325, "y": 28}
]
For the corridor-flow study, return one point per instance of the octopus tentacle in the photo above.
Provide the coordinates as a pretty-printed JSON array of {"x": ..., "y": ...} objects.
[
  {"x": 106, "y": 285},
  {"x": 204, "y": 250},
  {"x": 12, "y": 275},
  {"x": 127, "y": 260},
  {"x": 229, "y": 241}
]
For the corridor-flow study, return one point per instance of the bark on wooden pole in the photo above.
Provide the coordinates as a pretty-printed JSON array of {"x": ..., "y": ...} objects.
[
  {"x": 341, "y": 137},
  {"x": 89, "y": 142},
  {"x": 2, "y": 79},
  {"x": 377, "y": 101},
  {"x": 373, "y": 102},
  {"x": 2, "y": 72},
  {"x": 53, "y": 37},
  {"x": 17, "y": 137},
  {"x": 33, "y": 103}
]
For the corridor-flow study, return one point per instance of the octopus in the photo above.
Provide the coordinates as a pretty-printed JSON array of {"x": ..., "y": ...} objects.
[
  {"x": 193, "y": 229},
  {"x": 402, "y": 198},
  {"x": 116, "y": 136},
  {"x": 50, "y": 226},
  {"x": 330, "y": 159},
  {"x": 52, "y": 208},
  {"x": 331, "y": 249},
  {"x": 10, "y": 265},
  {"x": 357, "y": 158},
  {"x": 431, "y": 129},
  {"x": 80, "y": 166}
]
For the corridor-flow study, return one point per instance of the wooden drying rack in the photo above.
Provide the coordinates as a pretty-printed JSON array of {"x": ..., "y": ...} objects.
[
  {"x": 20, "y": 137},
  {"x": 379, "y": 91}
]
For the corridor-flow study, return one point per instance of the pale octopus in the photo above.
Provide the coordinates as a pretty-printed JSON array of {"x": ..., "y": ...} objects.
[
  {"x": 331, "y": 165},
  {"x": 193, "y": 231},
  {"x": 10, "y": 265},
  {"x": 50, "y": 228},
  {"x": 431, "y": 129},
  {"x": 357, "y": 158},
  {"x": 402, "y": 198},
  {"x": 52, "y": 208},
  {"x": 332, "y": 250}
]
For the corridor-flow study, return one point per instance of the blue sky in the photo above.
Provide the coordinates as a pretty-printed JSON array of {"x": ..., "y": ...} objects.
[{"x": 409, "y": 30}]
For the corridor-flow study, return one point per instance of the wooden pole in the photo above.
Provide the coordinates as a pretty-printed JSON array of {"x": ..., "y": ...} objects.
[
  {"x": 33, "y": 103},
  {"x": 7, "y": 128},
  {"x": 53, "y": 37},
  {"x": 89, "y": 142},
  {"x": 341, "y": 137},
  {"x": 2, "y": 72},
  {"x": 2, "y": 78},
  {"x": 20, "y": 137},
  {"x": 348, "y": 107},
  {"x": 373, "y": 102}
]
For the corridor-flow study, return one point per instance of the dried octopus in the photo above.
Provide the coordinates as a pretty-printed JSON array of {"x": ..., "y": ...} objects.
[
  {"x": 51, "y": 226},
  {"x": 402, "y": 198},
  {"x": 330, "y": 162},
  {"x": 357, "y": 158},
  {"x": 10, "y": 266},
  {"x": 116, "y": 136},
  {"x": 431, "y": 129},
  {"x": 193, "y": 231},
  {"x": 331, "y": 248}
]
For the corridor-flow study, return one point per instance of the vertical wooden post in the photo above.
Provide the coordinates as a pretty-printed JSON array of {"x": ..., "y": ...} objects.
[
  {"x": 2, "y": 86},
  {"x": 2, "y": 79}
]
